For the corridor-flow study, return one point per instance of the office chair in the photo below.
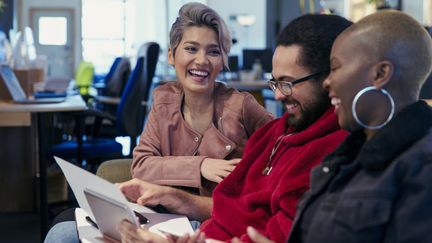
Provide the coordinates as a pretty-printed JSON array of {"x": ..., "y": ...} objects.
[
  {"x": 150, "y": 52},
  {"x": 87, "y": 144},
  {"x": 116, "y": 78},
  {"x": 118, "y": 170},
  {"x": 129, "y": 119},
  {"x": 112, "y": 85},
  {"x": 132, "y": 120}
]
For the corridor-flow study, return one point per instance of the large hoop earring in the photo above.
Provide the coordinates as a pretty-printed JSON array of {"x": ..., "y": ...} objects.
[{"x": 357, "y": 97}]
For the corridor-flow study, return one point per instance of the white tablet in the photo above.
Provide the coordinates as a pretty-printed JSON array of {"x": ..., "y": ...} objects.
[{"x": 109, "y": 213}]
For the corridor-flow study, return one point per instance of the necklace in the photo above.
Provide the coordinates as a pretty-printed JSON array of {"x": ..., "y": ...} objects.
[{"x": 270, "y": 163}]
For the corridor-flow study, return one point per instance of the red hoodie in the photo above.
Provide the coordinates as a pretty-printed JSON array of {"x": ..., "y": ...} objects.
[{"x": 268, "y": 202}]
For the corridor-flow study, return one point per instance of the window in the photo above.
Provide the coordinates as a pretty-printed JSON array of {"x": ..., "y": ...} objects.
[
  {"x": 53, "y": 31},
  {"x": 112, "y": 28},
  {"x": 104, "y": 32}
]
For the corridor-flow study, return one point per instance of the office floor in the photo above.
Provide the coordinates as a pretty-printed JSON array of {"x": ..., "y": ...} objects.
[
  {"x": 24, "y": 227},
  {"x": 19, "y": 227}
]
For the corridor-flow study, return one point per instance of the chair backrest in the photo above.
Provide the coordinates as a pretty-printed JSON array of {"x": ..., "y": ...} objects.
[
  {"x": 130, "y": 113},
  {"x": 149, "y": 50},
  {"x": 112, "y": 69},
  {"x": 117, "y": 77},
  {"x": 84, "y": 77}
]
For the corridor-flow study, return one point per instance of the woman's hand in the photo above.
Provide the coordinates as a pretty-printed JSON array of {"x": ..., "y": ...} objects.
[
  {"x": 254, "y": 236},
  {"x": 130, "y": 233},
  {"x": 217, "y": 169},
  {"x": 142, "y": 192}
]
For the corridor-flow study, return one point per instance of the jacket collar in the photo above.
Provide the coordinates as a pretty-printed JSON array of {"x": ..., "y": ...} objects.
[
  {"x": 220, "y": 93},
  {"x": 322, "y": 126},
  {"x": 410, "y": 125}
]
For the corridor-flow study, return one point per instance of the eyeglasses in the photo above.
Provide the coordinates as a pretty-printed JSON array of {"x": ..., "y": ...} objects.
[{"x": 285, "y": 87}]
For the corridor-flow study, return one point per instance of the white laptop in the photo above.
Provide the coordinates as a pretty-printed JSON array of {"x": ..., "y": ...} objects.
[
  {"x": 17, "y": 92},
  {"x": 82, "y": 182}
]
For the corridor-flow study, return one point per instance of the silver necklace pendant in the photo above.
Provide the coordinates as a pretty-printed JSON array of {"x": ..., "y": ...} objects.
[{"x": 267, "y": 170}]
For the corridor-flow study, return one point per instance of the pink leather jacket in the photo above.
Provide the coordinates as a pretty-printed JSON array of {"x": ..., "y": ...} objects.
[{"x": 170, "y": 152}]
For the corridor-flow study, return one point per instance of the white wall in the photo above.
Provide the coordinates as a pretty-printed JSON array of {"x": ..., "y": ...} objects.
[
  {"x": 248, "y": 37},
  {"x": 157, "y": 29},
  {"x": 421, "y": 10},
  {"x": 23, "y": 13},
  {"x": 149, "y": 28}
]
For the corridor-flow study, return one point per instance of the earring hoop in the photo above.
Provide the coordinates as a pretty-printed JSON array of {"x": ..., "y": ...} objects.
[{"x": 357, "y": 97}]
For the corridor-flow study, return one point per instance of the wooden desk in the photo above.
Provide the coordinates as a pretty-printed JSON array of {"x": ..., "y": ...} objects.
[
  {"x": 18, "y": 115},
  {"x": 22, "y": 154}
]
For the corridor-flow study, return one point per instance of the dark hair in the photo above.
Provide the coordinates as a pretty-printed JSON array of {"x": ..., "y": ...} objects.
[{"x": 315, "y": 33}]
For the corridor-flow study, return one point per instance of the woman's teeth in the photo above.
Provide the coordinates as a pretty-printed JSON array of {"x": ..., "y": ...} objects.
[{"x": 199, "y": 73}]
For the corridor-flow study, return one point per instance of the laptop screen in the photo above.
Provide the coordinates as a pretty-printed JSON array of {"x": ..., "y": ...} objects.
[{"x": 12, "y": 83}]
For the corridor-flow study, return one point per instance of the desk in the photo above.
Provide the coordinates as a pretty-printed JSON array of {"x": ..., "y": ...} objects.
[
  {"x": 254, "y": 87},
  {"x": 22, "y": 154},
  {"x": 249, "y": 86}
]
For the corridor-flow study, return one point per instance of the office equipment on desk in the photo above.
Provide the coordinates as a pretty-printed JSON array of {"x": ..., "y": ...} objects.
[
  {"x": 251, "y": 56},
  {"x": 16, "y": 91},
  {"x": 233, "y": 72},
  {"x": 53, "y": 87},
  {"x": 233, "y": 63}
]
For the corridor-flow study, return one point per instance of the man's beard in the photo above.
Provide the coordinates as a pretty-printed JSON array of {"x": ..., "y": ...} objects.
[{"x": 310, "y": 112}]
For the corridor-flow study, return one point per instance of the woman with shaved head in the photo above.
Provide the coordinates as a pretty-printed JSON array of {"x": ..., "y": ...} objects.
[{"x": 376, "y": 187}]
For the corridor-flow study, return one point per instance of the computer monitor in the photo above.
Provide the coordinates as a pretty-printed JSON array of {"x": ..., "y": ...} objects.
[
  {"x": 232, "y": 64},
  {"x": 263, "y": 55}
]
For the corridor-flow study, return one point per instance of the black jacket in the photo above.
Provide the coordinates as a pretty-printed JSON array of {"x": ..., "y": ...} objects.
[{"x": 375, "y": 191}]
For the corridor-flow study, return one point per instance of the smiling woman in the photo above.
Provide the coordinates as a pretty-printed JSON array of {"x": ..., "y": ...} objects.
[
  {"x": 197, "y": 127},
  {"x": 377, "y": 183}
]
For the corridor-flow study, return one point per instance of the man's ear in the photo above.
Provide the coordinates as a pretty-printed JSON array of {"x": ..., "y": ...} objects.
[
  {"x": 170, "y": 57},
  {"x": 383, "y": 72}
]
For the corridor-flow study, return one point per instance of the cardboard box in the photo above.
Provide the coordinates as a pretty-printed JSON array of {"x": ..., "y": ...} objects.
[{"x": 26, "y": 78}]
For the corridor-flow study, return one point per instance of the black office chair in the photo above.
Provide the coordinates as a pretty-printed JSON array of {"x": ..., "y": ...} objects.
[
  {"x": 150, "y": 52},
  {"x": 112, "y": 85},
  {"x": 88, "y": 145},
  {"x": 116, "y": 79}
]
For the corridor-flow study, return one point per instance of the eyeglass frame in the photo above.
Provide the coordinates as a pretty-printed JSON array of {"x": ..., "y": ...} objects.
[{"x": 273, "y": 84}]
